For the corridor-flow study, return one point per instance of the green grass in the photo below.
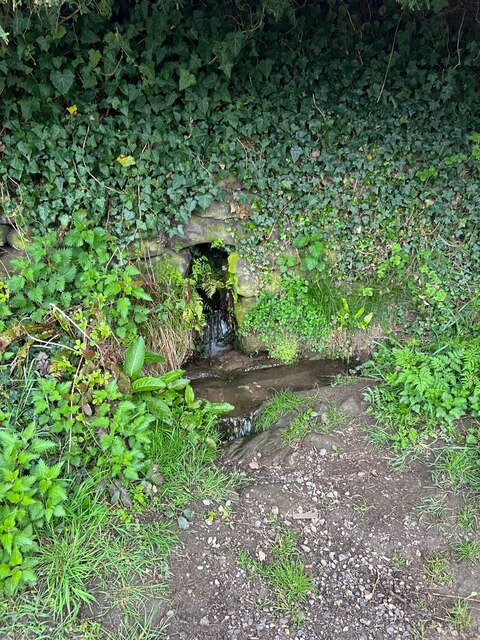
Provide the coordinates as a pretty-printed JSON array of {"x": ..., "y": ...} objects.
[
  {"x": 467, "y": 551},
  {"x": 188, "y": 469},
  {"x": 399, "y": 561},
  {"x": 310, "y": 420},
  {"x": 459, "y": 466},
  {"x": 467, "y": 517},
  {"x": 344, "y": 380},
  {"x": 73, "y": 554},
  {"x": 336, "y": 419},
  {"x": 362, "y": 506},
  {"x": 281, "y": 403},
  {"x": 299, "y": 426},
  {"x": 102, "y": 559},
  {"x": 284, "y": 573},
  {"x": 459, "y": 614},
  {"x": 432, "y": 508},
  {"x": 437, "y": 569}
]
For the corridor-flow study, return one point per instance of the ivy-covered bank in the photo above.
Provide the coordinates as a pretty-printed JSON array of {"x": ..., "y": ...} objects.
[
  {"x": 334, "y": 150},
  {"x": 357, "y": 134}
]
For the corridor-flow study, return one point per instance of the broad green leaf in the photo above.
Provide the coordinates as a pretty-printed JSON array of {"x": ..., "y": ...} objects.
[
  {"x": 159, "y": 409},
  {"x": 153, "y": 358},
  {"x": 220, "y": 407},
  {"x": 171, "y": 376},
  {"x": 134, "y": 358},
  {"x": 148, "y": 383},
  {"x": 123, "y": 307},
  {"x": 189, "y": 395},
  {"x": 16, "y": 557}
]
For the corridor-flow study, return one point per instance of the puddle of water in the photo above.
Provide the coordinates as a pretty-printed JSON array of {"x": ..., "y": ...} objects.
[{"x": 248, "y": 382}]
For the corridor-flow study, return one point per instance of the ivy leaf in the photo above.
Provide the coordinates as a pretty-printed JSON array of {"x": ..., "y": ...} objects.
[
  {"x": 234, "y": 42},
  {"x": 62, "y": 80},
  {"x": 296, "y": 152},
  {"x": 94, "y": 57},
  {"x": 186, "y": 79}
]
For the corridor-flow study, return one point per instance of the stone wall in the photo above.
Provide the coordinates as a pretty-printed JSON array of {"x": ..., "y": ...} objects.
[{"x": 12, "y": 246}]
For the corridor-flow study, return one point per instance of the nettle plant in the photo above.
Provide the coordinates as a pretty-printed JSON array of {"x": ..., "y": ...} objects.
[
  {"x": 92, "y": 426},
  {"x": 31, "y": 494},
  {"x": 82, "y": 270}
]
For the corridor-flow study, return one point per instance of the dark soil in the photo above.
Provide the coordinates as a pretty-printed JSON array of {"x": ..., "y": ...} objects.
[{"x": 360, "y": 535}]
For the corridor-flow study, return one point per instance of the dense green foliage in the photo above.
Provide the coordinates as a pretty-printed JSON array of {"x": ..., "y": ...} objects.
[
  {"x": 357, "y": 138},
  {"x": 426, "y": 390},
  {"x": 68, "y": 411},
  {"x": 305, "y": 311},
  {"x": 322, "y": 145}
]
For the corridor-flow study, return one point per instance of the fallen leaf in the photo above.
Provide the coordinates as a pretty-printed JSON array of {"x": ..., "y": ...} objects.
[
  {"x": 87, "y": 409},
  {"x": 126, "y": 161}
]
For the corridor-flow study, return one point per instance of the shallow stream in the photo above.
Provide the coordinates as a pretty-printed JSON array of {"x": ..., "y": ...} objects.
[{"x": 246, "y": 382}]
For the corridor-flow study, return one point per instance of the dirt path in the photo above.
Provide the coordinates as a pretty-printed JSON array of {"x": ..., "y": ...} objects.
[{"x": 360, "y": 536}]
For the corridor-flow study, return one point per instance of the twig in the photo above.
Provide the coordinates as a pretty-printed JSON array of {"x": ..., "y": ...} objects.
[
  {"x": 62, "y": 313},
  {"x": 453, "y": 595},
  {"x": 458, "y": 42},
  {"x": 48, "y": 343},
  {"x": 389, "y": 59},
  {"x": 318, "y": 108}
]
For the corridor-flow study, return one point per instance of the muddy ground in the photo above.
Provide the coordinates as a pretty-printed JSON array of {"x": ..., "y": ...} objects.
[{"x": 361, "y": 537}]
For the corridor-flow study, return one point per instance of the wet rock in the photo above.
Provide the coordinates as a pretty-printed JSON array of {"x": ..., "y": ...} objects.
[
  {"x": 217, "y": 211},
  {"x": 248, "y": 279},
  {"x": 7, "y": 257},
  {"x": 201, "y": 229},
  {"x": 5, "y": 229},
  {"x": 180, "y": 260},
  {"x": 230, "y": 184},
  {"x": 17, "y": 240}
]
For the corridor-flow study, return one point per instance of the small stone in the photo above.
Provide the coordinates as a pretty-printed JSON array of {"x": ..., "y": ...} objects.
[{"x": 204, "y": 622}]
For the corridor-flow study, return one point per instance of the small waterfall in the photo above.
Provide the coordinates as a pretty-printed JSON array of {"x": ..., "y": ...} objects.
[
  {"x": 220, "y": 330},
  {"x": 218, "y": 336}
]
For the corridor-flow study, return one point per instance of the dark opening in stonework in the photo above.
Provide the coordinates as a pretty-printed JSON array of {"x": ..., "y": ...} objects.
[{"x": 210, "y": 272}]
